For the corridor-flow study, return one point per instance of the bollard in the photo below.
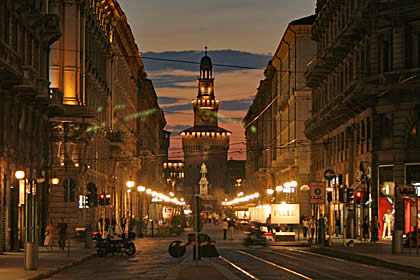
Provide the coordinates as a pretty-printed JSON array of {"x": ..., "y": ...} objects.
[
  {"x": 31, "y": 255},
  {"x": 397, "y": 241}
]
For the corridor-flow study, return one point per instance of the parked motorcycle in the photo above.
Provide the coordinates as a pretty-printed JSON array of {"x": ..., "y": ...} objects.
[{"x": 110, "y": 245}]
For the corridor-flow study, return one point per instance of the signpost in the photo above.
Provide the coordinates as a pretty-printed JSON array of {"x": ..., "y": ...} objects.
[
  {"x": 198, "y": 222},
  {"x": 329, "y": 174},
  {"x": 317, "y": 197}
]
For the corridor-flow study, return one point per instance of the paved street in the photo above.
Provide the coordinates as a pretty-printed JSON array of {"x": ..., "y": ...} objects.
[{"x": 152, "y": 261}]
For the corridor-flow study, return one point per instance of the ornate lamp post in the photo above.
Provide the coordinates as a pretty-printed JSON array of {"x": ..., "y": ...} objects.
[
  {"x": 130, "y": 184},
  {"x": 141, "y": 190}
]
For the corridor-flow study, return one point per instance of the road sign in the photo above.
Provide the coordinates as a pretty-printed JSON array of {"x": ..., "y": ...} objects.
[
  {"x": 317, "y": 192},
  {"x": 329, "y": 174}
]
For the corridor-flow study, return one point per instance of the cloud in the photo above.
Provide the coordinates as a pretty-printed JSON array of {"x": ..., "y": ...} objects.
[
  {"x": 177, "y": 108},
  {"x": 176, "y": 127},
  {"x": 190, "y": 60},
  {"x": 173, "y": 81},
  {"x": 235, "y": 105},
  {"x": 166, "y": 100}
]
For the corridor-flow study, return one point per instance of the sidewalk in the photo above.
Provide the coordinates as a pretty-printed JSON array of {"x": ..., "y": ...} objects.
[
  {"x": 378, "y": 254},
  {"x": 49, "y": 262}
]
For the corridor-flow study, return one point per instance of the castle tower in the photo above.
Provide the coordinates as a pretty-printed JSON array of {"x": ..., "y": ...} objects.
[{"x": 205, "y": 142}]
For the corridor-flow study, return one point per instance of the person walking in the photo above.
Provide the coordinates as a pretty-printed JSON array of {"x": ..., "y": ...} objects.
[
  {"x": 62, "y": 234},
  {"x": 305, "y": 224},
  {"x": 375, "y": 229},
  {"x": 225, "y": 225},
  {"x": 337, "y": 225},
  {"x": 321, "y": 223},
  {"x": 268, "y": 223},
  {"x": 49, "y": 235},
  {"x": 231, "y": 227},
  {"x": 365, "y": 230}
]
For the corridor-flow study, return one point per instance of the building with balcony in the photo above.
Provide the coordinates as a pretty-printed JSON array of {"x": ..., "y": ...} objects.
[
  {"x": 365, "y": 101},
  {"x": 27, "y": 31},
  {"x": 277, "y": 148},
  {"x": 109, "y": 115}
]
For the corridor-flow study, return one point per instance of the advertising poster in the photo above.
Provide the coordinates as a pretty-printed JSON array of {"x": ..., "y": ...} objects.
[{"x": 285, "y": 213}]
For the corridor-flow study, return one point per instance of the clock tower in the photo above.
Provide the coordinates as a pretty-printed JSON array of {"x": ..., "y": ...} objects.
[{"x": 205, "y": 142}]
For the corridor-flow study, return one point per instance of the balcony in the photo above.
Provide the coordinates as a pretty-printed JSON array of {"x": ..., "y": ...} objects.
[{"x": 11, "y": 72}]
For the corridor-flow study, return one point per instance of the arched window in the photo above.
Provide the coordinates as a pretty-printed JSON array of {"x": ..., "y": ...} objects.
[{"x": 69, "y": 190}]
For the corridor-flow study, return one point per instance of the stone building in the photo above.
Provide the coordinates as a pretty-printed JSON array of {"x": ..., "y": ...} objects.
[
  {"x": 98, "y": 137},
  {"x": 365, "y": 101},
  {"x": 173, "y": 175},
  {"x": 205, "y": 142},
  {"x": 26, "y": 34},
  {"x": 277, "y": 148}
]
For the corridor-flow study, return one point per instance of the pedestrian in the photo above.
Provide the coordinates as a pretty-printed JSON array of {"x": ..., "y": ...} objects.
[
  {"x": 305, "y": 224},
  {"x": 375, "y": 228},
  {"x": 231, "y": 227},
  {"x": 268, "y": 223},
  {"x": 123, "y": 223},
  {"x": 321, "y": 231},
  {"x": 365, "y": 230},
  {"x": 49, "y": 235},
  {"x": 312, "y": 227},
  {"x": 62, "y": 234},
  {"x": 225, "y": 225},
  {"x": 337, "y": 225}
]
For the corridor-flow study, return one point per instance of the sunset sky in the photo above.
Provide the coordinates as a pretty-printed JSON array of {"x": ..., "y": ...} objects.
[{"x": 237, "y": 32}]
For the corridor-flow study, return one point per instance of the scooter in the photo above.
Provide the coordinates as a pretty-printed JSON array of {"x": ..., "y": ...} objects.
[
  {"x": 255, "y": 237},
  {"x": 109, "y": 245}
]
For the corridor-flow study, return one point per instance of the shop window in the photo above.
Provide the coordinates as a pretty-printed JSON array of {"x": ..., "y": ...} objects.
[{"x": 69, "y": 190}]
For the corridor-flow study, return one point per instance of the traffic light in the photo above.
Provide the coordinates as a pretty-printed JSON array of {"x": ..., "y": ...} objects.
[
  {"x": 341, "y": 194},
  {"x": 350, "y": 194},
  {"x": 102, "y": 199},
  {"x": 329, "y": 196},
  {"x": 108, "y": 199},
  {"x": 358, "y": 197},
  {"x": 88, "y": 201}
]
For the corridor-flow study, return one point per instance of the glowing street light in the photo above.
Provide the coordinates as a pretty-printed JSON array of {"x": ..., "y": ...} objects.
[
  {"x": 279, "y": 188},
  {"x": 20, "y": 174},
  {"x": 171, "y": 194},
  {"x": 293, "y": 184},
  {"x": 270, "y": 191},
  {"x": 148, "y": 191},
  {"x": 141, "y": 188},
  {"x": 130, "y": 183}
]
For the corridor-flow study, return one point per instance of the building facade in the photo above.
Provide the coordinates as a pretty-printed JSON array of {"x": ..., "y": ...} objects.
[
  {"x": 98, "y": 141},
  {"x": 365, "y": 102},
  {"x": 26, "y": 34},
  {"x": 173, "y": 175},
  {"x": 205, "y": 142},
  {"x": 277, "y": 148}
]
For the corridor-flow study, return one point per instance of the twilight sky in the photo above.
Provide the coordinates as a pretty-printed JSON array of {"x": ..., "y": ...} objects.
[{"x": 237, "y": 32}]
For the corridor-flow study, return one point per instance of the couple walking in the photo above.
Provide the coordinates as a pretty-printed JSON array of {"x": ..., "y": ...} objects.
[
  {"x": 228, "y": 226},
  {"x": 50, "y": 233}
]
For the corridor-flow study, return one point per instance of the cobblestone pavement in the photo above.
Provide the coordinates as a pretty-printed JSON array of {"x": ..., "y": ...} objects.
[{"x": 151, "y": 262}]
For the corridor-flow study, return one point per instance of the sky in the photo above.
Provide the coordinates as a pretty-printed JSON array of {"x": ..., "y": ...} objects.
[{"x": 237, "y": 32}]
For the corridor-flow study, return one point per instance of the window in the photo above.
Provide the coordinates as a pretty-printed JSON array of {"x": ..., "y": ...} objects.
[{"x": 69, "y": 190}]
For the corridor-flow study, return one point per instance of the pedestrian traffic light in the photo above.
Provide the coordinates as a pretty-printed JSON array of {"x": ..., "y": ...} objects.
[
  {"x": 358, "y": 197},
  {"x": 350, "y": 194},
  {"x": 329, "y": 196},
  {"x": 108, "y": 199},
  {"x": 102, "y": 199}
]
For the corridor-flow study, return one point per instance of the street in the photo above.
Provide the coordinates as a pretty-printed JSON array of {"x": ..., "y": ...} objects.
[{"x": 152, "y": 261}]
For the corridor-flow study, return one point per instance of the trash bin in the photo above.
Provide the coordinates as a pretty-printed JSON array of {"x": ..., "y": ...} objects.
[
  {"x": 81, "y": 235},
  {"x": 397, "y": 241}
]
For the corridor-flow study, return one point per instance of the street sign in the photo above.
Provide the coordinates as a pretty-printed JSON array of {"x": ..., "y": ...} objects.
[
  {"x": 406, "y": 191},
  {"x": 317, "y": 192},
  {"x": 329, "y": 174}
]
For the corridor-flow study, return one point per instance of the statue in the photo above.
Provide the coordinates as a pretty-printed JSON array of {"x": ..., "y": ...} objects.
[{"x": 203, "y": 170}]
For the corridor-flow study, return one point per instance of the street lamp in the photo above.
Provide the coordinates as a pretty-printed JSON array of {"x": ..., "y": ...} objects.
[
  {"x": 130, "y": 183},
  {"x": 270, "y": 191},
  {"x": 141, "y": 190},
  {"x": 31, "y": 242}
]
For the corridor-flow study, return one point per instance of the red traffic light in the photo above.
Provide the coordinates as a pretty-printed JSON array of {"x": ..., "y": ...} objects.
[
  {"x": 101, "y": 196},
  {"x": 358, "y": 194}
]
